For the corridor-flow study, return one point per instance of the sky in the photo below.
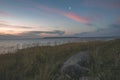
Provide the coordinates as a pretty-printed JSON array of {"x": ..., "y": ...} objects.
[{"x": 59, "y": 18}]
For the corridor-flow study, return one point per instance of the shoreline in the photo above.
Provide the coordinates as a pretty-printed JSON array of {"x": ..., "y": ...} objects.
[{"x": 13, "y": 48}]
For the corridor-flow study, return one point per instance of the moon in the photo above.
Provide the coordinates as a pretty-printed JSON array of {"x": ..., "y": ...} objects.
[{"x": 69, "y": 8}]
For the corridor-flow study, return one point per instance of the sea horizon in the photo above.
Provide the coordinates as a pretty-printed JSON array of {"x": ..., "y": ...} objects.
[{"x": 11, "y": 45}]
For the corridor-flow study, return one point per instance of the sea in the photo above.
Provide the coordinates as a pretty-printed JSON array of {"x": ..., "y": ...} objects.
[{"x": 12, "y": 45}]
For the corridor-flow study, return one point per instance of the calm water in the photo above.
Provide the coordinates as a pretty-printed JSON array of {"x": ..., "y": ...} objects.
[{"x": 12, "y": 45}]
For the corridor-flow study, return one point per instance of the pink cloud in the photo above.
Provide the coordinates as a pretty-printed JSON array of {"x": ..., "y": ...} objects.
[
  {"x": 118, "y": 20},
  {"x": 76, "y": 17},
  {"x": 3, "y": 13},
  {"x": 53, "y": 10},
  {"x": 69, "y": 15},
  {"x": 72, "y": 16}
]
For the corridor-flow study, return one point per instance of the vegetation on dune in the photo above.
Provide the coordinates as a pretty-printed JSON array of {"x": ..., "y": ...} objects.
[{"x": 44, "y": 62}]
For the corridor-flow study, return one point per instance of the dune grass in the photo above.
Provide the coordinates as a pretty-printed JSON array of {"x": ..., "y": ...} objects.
[{"x": 44, "y": 62}]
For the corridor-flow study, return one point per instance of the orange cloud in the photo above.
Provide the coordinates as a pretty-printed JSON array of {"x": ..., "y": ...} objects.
[
  {"x": 11, "y": 32},
  {"x": 7, "y": 28}
]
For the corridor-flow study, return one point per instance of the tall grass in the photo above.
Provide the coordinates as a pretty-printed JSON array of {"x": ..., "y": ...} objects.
[{"x": 44, "y": 62}]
